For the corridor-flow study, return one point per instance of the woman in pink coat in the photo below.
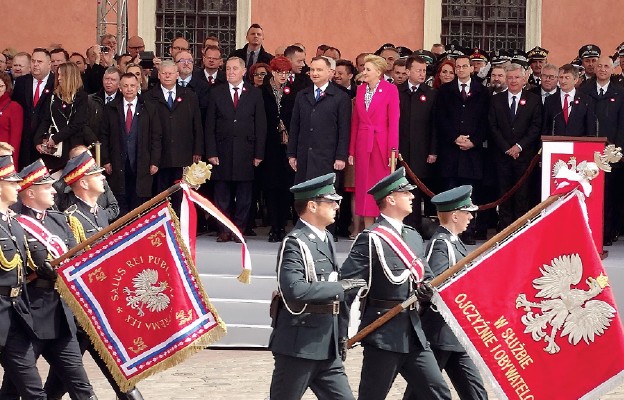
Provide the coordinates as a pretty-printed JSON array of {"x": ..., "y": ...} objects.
[{"x": 374, "y": 133}]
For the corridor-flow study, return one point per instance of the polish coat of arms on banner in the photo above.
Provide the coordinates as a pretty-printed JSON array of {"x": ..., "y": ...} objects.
[{"x": 140, "y": 299}]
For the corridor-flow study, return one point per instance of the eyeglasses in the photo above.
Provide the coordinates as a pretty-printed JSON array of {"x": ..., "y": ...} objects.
[
  {"x": 136, "y": 48},
  {"x": 283, "y": 73},
  {"x": 178, "y": 48},
  {"x": 263, "y": 74},
  {"x": 549, "y": 76},
  {"x": 185, "y": 61}
]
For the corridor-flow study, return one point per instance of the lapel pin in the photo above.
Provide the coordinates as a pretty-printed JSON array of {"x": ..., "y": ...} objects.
[{"x": 522, "y": 102}]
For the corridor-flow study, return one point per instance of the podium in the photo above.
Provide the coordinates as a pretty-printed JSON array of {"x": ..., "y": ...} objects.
[{"x": 581, "y": 148}]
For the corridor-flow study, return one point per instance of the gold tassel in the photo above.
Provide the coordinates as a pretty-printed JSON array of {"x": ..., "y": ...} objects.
[
  {"x": 76, "y": 228},
  {"x": 7, "y": 265},
  {"x": 245, "y": 276}
]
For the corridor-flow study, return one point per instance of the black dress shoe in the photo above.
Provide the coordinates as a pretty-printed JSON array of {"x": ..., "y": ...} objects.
[
  {"x": 223, "y": 237},
  {"x": 607, "y": 242},
  {"x": 250, "y": 232},
  {"x": 235, "y": 239},
  {"x": 274, "y": 237}
]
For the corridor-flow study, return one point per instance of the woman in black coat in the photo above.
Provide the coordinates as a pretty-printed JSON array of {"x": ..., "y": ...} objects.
[
  {"x": 64, "y": 118},
  {"x": 276, "y": 175}
]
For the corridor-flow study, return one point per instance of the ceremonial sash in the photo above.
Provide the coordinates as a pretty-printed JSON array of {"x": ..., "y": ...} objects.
[
  {"x": 397, "y": 244},
  {"x": 52, "y": 243}
]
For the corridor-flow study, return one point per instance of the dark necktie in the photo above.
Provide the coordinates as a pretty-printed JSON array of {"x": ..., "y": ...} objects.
[
  {"x": 250, "y": 59},
  {"x": 36, "y": 98},
  {"x": 464, "y": 94},
  {"x": 512, "y": 109},
  {"x": 414, "y": 89},
  {"x": 390, "y": 80},
  {"x": 601, "y": 92},
  {"x": 129, "y": 118},
  {"x": 210, "y": 80},
  {"x": 170, "y": 100},
  {"x": 109, "y": 99},
  {"x": 566, "y": 106},
  {"x": 235, "y": 97},
  {"x": 318, "y": 94}
]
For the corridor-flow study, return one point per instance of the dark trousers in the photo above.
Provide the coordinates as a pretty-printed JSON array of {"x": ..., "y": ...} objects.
[
  {"x": 238, "y": 193},
  {"x": 613, "y": 200},
  {"x": 419, "y": 368},
  {"x": 509, "y": 171},
  {"x": 292, "y": 376},
  {"x": 278, "y": 200},
  {"x": 19, "y": 363},
  {"x": 415, "y": 218},
  {"x": 165, "y": 178},
  {"x": 129, "y": 200},
  {"x": 63, "y": 354}
]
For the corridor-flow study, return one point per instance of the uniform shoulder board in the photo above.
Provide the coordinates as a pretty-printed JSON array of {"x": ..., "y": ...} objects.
[
  {"x": 71, "y": 209},
  {"x": 408, "y": 227}
]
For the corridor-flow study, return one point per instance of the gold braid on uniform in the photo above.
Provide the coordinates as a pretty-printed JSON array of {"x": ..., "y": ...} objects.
[
  {"x": 7, "y": 265},
  {"x": 29, "y": 261},
  {"x": 76, "y": 228}
]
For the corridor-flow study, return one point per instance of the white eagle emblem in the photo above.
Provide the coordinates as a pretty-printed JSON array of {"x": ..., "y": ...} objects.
[
  {"x": 147, "y": 293},
  {"x": 570, "y": 310}
]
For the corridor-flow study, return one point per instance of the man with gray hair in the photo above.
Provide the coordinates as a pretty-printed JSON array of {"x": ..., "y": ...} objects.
[
  {"x": 515, "y": 119},
  {"x": 548, "y": 82}
]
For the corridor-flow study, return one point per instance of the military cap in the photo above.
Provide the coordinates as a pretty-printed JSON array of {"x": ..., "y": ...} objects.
[
  {"x": 479, "y": 54},
  {"x": 519, "y": 57},
  {"x": 578, "y": 64},
  {"x": 426, "y": 54},
  {"x": 404, "y": 51},
  {"x": 395, "y": 182},
  {"x": 452, "y": 51},
  {"x": 7, "y": 169},
  {"x": 537, "y": 53},
  {"x": 589, "y": 50},
  {"x": 35, "y": 174},
  {"x": 499, "y": 57},
  {"x": 319, "y": 187},
  {"x": 454, "y": 199},
  {"x": 385, "y": 46},
  {"x": 620, "y": 51},
  {"x": 78, "y": 167}
]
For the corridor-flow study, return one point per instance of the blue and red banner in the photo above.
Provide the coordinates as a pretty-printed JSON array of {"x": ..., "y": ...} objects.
[{"x": 139, "y": 297}]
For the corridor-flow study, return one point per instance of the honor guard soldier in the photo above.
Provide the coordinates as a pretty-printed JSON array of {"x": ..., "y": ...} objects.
[
  {"x": 86, "y": 218},
  {"x": 589, "y": 57},
  {"x": 538, "y": 57},
  {"x": 17, "y": 356},
  {"x": 445, "y": 250},
  {"x": 305, "y": 342},
  {"x": 48, "y": 237},
  {"x": 389, "y": 255}
]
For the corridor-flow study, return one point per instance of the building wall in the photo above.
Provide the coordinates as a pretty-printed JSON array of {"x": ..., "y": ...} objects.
[{"x": 351, "y": 26}]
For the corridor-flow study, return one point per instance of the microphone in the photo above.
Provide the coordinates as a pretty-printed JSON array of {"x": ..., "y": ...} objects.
[
  {"x": 554, "y": 119},
  {"x": 595, "y": 117}
]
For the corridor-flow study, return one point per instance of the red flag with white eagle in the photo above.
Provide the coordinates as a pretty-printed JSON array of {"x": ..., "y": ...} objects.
[{"x": 537, "y": 311}]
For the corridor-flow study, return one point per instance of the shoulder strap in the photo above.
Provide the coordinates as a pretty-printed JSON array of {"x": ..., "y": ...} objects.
[
  {"x": 451, "y": 251},
  {"x": 52, "y": 243},
  {"x": 308, "y": 263},
  {"x": 411, "y": 261}
]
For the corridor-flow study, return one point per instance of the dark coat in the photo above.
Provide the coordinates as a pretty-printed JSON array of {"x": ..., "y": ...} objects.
[
  {"x": 236, "y": 135},
  {"x": 524, "y": 130},
  {"x": 403, "y": 333},
  {"x": 149, "y": 145},
  {"x": 417, "y": 137},
  {"x": 201, "y": 88},
  {"x": 71, "y": 120},
  {"x": 319, "y": 131},
  {"x": 23, "y": 94},
  {"x": 581, "y": 118},
  {"x": 51, "y": 316},
  {"x": 92, "y": 221},
  {"x": 609, "y": 110},
  {"x": 263, "y": 56},
  {"x": 300, "y": 82},
  {"x": 454, "y": 118},
  {"x": 310, "y": 336},
  {"x": 219, "y": 80},
  {"x": 438, "y": 332},
  {"x": 182, "y": 133},
  {"x": 13, "y": 311}
]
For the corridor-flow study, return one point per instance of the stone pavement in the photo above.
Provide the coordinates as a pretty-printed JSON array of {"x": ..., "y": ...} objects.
[{"x": 234, "y": 374}]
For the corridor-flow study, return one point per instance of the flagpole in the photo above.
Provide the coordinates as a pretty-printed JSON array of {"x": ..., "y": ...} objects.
[
  {"x": 437, "y": 281},
  {"x": 117, "y": 224}
]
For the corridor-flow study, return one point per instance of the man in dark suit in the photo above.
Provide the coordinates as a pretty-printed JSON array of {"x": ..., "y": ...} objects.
[
  {"x": 343, "y": 77},
  {"x": 608, "y": 98},
  {"x": 235, "y": 139},
  {"x": 462, "y": 125},
  {"x": 32, "y": 91},
  {"x": 296, "y": 82},
  {"x": 515, "y": 119},
  {"x": 417, "y": 138},
  {"x": 307, "y": 341},
  {"x": 212, "y": 60},
  {"x": 399, "y": 346},
  {"x": 188, "y": 78},
  {"x": 548, "y": 82},
  {"x": 131, "y": 145},
  {"x": 571, "y": 113},
  {"x": 318, "y": 141},
  {"x": 445, "y": 250},
  {"x": 53, "y": 322},
  {"x": 180, "y": 120},
  {"x": 253, "y": 52}
]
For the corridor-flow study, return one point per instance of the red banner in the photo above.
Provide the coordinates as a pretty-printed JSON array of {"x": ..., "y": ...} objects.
[
  {"x": 537, "y": 313},
  {"x": 139, "y": 297}
]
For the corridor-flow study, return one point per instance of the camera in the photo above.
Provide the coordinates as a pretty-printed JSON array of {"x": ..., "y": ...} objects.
[
  {"x": 147, "y": 59},
  {"x": 104, "y": 49}
]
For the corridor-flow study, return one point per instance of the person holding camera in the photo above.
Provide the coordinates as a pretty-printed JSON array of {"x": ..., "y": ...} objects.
[{"x": 65, "y": 116}]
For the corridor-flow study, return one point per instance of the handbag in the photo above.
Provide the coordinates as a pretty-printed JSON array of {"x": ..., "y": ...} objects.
[
  {"x": 57, "y": 150},
  {"x": 282, "y": 131}
]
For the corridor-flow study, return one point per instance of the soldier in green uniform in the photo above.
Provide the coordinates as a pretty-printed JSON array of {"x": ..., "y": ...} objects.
[
  {"x": 389, "y": 255},
  {"x": 305, "y": 341}
]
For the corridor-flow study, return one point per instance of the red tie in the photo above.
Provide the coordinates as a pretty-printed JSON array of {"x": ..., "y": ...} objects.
[
  {"x": 235, "y": 97},
  {"x": 566, "y": 107},
  {"x": 36, "y": 98},
  {"x": 129, "y": 118},
  {"x": 210, "y": 80}
]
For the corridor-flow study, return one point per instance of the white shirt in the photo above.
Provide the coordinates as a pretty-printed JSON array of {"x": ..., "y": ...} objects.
[
  {"x": 459, "y": 86},
  {"x": 44, "y": 82},
  {"x": 396, "y": 224},
  {"x": 321, "y": 234},
  {"x": 323, "y": 88},
  {"x": 166, "y": 92},
  {"x": 605, "y": 87},
  {"x": 214, "y": 76},
  {"x": 388, "y": 78},
  {"x": 546, "y": 94},
  {"x": 240, "y": 89},
  {"x": 187, "y": 80},
  {"x": 509, "y": 98},
  {"x": 133, "y": 104},
  {"x": 411, "y": 86},
  {"x": 570, "y": 94}
]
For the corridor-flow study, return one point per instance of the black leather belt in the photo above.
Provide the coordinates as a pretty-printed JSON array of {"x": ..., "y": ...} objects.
[
  {"x": 387, "y": 304},
  {"x": 10, "y": 291},
  {"x": 42, "y": 283},
  {"x": 331, "y": 308}
]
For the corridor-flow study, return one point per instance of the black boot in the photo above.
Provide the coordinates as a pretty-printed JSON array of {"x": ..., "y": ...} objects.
[{"x": 133, "y": 394}]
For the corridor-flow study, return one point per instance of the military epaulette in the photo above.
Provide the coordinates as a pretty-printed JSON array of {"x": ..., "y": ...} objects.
[
  {"x": 408, "y": 227},
  {"x": 76, "y": 227},
  {"x": 71, "y": 209}
]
